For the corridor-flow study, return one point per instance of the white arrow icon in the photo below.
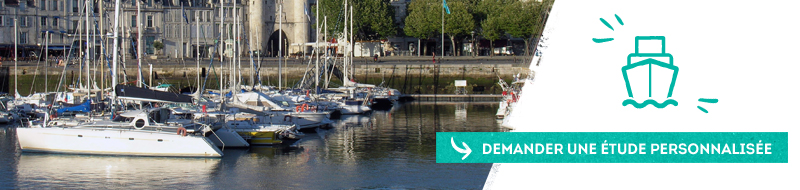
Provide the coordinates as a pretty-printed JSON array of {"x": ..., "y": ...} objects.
[{"x": 466, "y": 152}]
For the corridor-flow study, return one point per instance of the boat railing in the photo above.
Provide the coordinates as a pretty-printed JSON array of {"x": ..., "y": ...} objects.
[{"x": 212, "y": 132}]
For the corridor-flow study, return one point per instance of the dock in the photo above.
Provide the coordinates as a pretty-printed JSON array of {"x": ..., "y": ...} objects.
[{"x": 453, "y": 97}]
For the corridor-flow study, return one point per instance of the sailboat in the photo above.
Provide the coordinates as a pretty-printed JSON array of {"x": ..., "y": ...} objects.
[{"x": 139, "y": 132}]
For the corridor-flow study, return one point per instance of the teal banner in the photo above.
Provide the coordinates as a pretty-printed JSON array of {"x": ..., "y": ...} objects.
[{"x": 612, "y": 147}]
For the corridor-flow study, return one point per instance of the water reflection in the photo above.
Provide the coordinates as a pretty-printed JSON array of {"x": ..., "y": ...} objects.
[
  {"x": 36, "y": 171},
  {"x": 386, "y": 149}
]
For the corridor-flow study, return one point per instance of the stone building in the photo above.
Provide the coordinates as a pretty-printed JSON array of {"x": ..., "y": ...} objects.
[
  {"x": 264, "y": 25},
  {"x": 171, "y": 22}
]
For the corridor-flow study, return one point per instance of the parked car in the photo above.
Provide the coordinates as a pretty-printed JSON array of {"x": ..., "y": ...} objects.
[{"x": 503, "y": 51}]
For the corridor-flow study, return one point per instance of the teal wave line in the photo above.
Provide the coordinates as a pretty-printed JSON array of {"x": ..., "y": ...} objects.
[
  {"x": 649, "y": 102},
  {"x": 606, "y": 23},
  {"x": 708, "y": 100},
  {"x": 601, "y": 40},
  {"x": 702, "y": 109}
]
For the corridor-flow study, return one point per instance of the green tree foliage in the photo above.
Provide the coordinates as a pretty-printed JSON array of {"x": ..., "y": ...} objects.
[
  {"x": 493, "y": 19},
  {"x": 459, "y": 22},
  {"x": 372, "y": 19},
  {"x": 158, "y": 45},
  {"x": 520, "y": 20},
  {"x": 421, "y": 22},
  {"x": 375, "y": 19}
]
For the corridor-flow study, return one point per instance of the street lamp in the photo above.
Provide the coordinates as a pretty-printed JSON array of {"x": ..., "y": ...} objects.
[{"x": 472, "y": 48}]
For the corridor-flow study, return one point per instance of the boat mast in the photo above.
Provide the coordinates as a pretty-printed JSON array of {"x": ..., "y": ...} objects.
[
  {"x": 325, "y": 37},
  {"x": 345, "y": 38},
  {"x": 139, "y": 43},
  {"x": 183, "y": 32},
  {"x": 280, "y": 45},
  {"x": 102, "y": 51},
  {"x": 236, "y": 64},
  {"x": 221, "y": 55},
  {"x": 16, "y": 43},
  {"x": 115, "y": 54},
  {"x": 46, "y": 46},
  {"x": 197, "y": 22},
  {"x": 316, "y": 69},
  {"x": 87, "y": 53},
  {"x": 351, "y": 45}
]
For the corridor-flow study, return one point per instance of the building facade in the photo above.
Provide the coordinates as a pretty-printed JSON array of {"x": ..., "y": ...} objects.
[{"x": 176, "y": 24}]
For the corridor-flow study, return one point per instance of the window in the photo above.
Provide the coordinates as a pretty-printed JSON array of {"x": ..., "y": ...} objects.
[
  {"x": 55, "y": 21},
  {"x": 74, "y": 6},
  {"x": 149, "y": 21},
  {"x": 23, "y": 38},
  {"x": 208, "y": 16},
  {"x": 53, "y": 5},
  {"x": 43, "y": 5},
  {"x": 44, "y": 21},
  {"x": 23, "y": 21},
  {"x": 2, "y": 19},
  {"x": 191, "y": 14},
  {"x": 149, "y": 44},
  {"x": 75, "y": 26},
  {"x": 133, "y": 20}
]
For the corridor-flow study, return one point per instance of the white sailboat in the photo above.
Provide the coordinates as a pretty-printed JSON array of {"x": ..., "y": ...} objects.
[
  {"x": 144, "y": 132},
  {"x": 133, "y": 133}
]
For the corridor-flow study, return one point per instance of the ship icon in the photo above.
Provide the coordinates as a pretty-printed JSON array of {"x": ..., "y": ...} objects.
[{"x": 650, "y": 74}]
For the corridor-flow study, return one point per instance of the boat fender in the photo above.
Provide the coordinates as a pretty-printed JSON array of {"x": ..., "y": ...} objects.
[
  {"x": 287, "y": 118},
  {"x": 182, "y": 131}
]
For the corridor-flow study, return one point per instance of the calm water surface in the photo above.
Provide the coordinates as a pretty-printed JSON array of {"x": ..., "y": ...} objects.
[{"x": 388, "y": 149}]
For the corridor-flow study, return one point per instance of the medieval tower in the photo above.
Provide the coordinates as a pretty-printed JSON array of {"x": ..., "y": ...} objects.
[{"x": 264, "y": 18}]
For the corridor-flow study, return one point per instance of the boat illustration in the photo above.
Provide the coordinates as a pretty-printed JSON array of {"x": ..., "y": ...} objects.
[{"x": 650, "y": 74}]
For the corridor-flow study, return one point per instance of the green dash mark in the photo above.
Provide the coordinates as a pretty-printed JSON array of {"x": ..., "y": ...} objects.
[
  {"x": 601, "y": 40},
  {"x": 618, "y": 20},
  {"x": 708, "y": 100},
  {"x": 702, "y": 109},
  {"x": 606, "y": 23}
]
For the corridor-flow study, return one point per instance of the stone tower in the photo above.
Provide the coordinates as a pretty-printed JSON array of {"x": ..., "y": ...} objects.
[{"x": 264, "y": 29}]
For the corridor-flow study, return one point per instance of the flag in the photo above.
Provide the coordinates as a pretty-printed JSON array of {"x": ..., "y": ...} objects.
[
  {"x": 184, "y": 15},
  {"x": 446, "y": 8},
  {"x": 306, "y": 11}
]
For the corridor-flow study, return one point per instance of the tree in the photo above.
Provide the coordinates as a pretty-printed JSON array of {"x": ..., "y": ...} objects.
[
  {"x": 424, "y": 19},
  {"x": 492, "y": 16},
  {"x": 421, "y": 23},
  {"x": 520, "y": 21},
  {"x": 459, "y": 22},
  {"x": 372, "y": 19},
  {"x": 491, "y": 30},
  {"x": 158, "y": 45}
]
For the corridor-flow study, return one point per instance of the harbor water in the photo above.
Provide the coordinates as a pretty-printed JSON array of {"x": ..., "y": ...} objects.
[{"x": 392, "y": 149}]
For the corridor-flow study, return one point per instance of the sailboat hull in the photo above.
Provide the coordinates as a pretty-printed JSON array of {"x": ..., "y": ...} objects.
[{"x": 114, "y": 142}]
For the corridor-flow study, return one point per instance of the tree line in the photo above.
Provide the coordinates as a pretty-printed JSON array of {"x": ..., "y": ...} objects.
[{"x": 488, "y": 19}]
